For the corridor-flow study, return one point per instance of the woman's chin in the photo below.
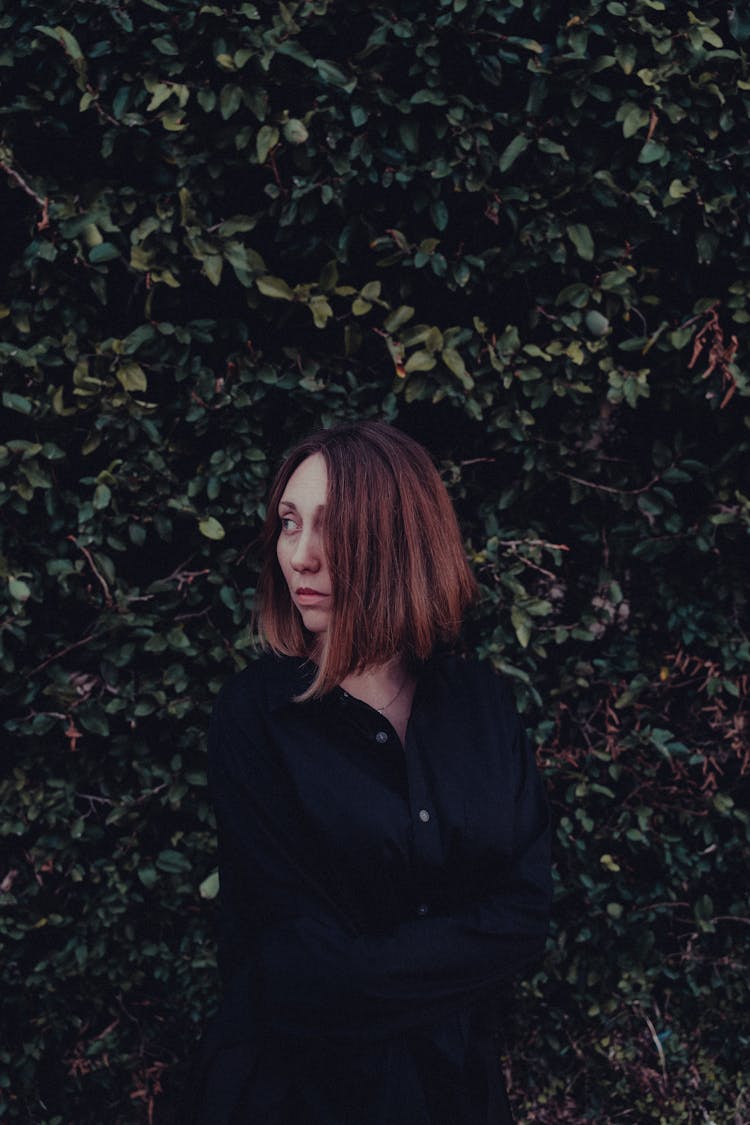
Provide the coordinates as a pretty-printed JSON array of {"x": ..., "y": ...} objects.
[{"x": 314, "y": 620}]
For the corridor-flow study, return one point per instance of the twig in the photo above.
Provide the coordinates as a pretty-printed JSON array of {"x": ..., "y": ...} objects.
[
  {"x": 642, "y": 318},
  {"x": 536, "y": 566},
  {"x": 110, "y": 1027},
  {"x": 534, "y": 543},
  {"x": 549, "y": 316},
  {"x": 656, "y": 905},
  {"x": 43, "y": 203},
  {"x": 100, "y": 109},
  {"x": 190, "y": 616},
  {"x": 126, "y": 804},
  {"x": 659, "y": 1048},
  {"x": 608, "y": 488},
  {"x": 62, "y": 652},
  {"x": 92, "y": 564}
]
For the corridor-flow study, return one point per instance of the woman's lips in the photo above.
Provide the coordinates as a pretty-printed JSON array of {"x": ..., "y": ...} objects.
[{"x": 307, "y": 596}]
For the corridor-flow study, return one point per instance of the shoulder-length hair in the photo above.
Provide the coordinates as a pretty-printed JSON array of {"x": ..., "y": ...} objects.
[{"x": 400, "y": 581}]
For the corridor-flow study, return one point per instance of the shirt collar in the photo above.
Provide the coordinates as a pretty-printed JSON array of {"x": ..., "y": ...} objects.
[
  {"x": 285, "y": 678},
  {"x": 288, "y": 676}
]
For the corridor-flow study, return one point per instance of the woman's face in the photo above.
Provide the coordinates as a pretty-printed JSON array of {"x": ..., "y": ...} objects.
[{"x": 299, "y": 547}]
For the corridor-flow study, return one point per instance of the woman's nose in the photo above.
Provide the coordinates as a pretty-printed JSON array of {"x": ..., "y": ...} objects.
[{"x": 306, "y": 554}]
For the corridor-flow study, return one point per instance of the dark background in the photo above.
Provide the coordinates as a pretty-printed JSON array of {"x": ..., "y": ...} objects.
[{"x": 518, "y": 231}]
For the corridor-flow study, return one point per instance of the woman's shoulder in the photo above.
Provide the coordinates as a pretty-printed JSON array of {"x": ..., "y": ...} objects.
[
  {"x": 240, "y": 734},
  {"x": 471, "y": 674},
  {"x": 268, "y": 681},
  {"x": 474, "y": 691}
]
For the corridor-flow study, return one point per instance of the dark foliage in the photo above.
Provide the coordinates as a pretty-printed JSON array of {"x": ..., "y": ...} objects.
[{"x": 519, "y": 230}]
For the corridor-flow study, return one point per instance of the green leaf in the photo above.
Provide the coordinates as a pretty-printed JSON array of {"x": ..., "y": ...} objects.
[
  {"x": 65, "y": 38},
  {"x": 597, "y": 323},
  {"x": 12, "y": 401},
  {"x": 420, "y": 361},
  {"x": 408, "y": 131},
  {"x": 651, "y": 152},
  {"x": 332, "y": 73},
  {"x": 102, "y": 497},
  {"x": 454, "y": 362},
  {"x": 678, "y": 190},
  {"x": 268, "y": 138},
  {"x": 238, "y": 224},
  {"x": 398, "y": 318},
  {"x": 230, "y": 101},
  {"x": 634, "y": 120},
  {"x": 577, "y": 294},
  {"x": 209, "y": 888},
  {"x": 132, "y": 377},
  {"x": 94, "y": 720},
  {"x": 213, "y": 264},
  {"x": 320, "y": 309},
  {"x": 295, "y": 131},
  {"x": 625, "y": 53},
  {"x": 140, "y": 335},
  {"x": 512, "y": 151},
  {"x": 439, "y": 214},
  {"x": 18, "y": 589},
  {"x": 104, "y": 252},
  {"x": 160, "y": 94},
  {"x": 148, "y": 875},
  {"x": 211, "y": 528},
  {"x": 371, "y": 291},
  {"x": 165, "y": 46},
  {"x": 172, "y": 862},
  {"x": 580, "y": 235},
  {"x": 521, "y": 624},
  {"x": 274, "y": 287}
]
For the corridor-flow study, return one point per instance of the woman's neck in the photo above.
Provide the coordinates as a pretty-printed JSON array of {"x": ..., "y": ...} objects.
[{"x": 387, "y": 688}]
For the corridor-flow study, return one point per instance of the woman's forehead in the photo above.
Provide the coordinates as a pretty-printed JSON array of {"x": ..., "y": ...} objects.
[{"x": 307, "y": 487}]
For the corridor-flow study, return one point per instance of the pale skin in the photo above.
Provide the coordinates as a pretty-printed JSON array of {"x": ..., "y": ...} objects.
[{"x": 301, "y": 556}]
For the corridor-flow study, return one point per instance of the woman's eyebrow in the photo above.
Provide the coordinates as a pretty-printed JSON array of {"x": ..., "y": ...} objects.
[{"x": 293, "y": 506}]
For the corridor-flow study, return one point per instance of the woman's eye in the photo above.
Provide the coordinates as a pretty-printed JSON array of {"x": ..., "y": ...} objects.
[{"x": 287, "y": 523}]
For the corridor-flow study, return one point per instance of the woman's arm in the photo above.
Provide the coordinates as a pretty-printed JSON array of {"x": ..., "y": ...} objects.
[{"x": 319, "y": 976}]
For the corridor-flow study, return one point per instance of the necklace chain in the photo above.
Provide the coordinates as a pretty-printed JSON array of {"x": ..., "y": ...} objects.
[{"x": 390, "y": 703}]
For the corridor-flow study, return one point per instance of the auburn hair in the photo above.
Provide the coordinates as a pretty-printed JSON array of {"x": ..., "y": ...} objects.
[{"x": 400, "y": 581}]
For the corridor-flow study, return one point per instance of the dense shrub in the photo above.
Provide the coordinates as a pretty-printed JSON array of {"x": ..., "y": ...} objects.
[{"x": 520, "y": 232}]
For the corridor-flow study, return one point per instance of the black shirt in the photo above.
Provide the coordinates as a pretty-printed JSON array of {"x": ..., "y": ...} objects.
[{"x": 374, "y": 900}]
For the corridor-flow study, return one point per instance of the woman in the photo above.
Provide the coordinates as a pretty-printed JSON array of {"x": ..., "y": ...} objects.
[{"x": 383, "y": 832}]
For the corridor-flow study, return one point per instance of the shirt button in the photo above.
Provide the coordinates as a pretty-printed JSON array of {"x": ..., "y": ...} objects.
[
  {"x": 424, "y": 816},
  {"x": 423, "y": 909},
  {"x": 381, "y": 736}
]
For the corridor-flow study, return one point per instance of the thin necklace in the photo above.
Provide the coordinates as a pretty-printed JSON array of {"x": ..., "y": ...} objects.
[{"x": 385, "y": 707}]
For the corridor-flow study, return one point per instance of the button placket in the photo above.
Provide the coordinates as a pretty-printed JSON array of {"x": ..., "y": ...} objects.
[{"x": 426, "y": 837}]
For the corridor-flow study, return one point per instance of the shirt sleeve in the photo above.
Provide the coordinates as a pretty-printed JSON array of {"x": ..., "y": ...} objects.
[{"x": 320, "y": 976}]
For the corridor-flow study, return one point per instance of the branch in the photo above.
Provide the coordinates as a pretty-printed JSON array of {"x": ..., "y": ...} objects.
[
  {"x": 92, "y": 564},
  {"x": 62, "y": 652},
  {"x": 534, "y": 542},
  {"x": 608, "y": 488},
  {"x": 43, "y": 203}
]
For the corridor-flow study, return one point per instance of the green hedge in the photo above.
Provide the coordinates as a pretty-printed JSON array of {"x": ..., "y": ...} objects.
[{"x": 518, "y": 232}]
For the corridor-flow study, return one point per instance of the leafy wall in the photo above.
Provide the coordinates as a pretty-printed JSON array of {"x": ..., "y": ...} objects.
[{"x": 520, "y": 232}]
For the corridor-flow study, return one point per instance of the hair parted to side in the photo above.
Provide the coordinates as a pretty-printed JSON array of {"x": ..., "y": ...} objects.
[{"x": 399, "y": 575}]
